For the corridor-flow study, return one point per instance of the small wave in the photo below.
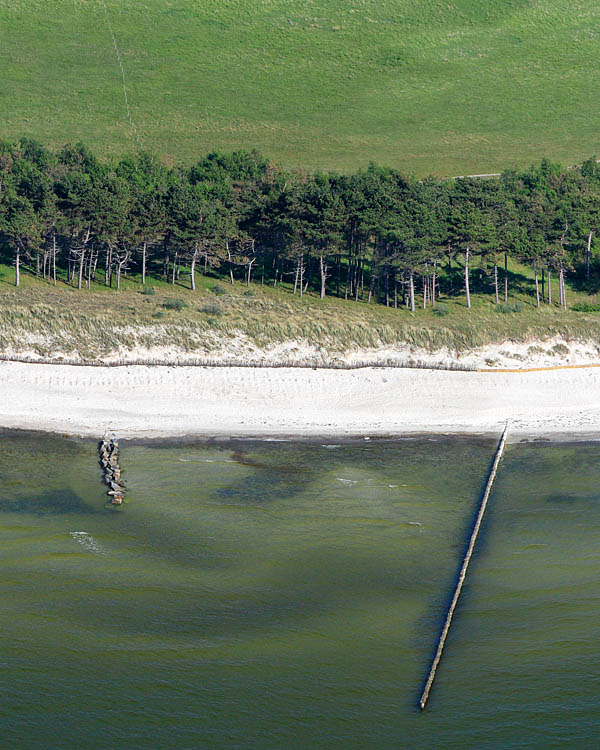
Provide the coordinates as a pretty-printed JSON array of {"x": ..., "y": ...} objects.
[
  {"x": 347, "y": 482},
  {"x": 331, "y": 446},
  {"x": 528, "y": 547},
  {"x": 87, "y": 541}
]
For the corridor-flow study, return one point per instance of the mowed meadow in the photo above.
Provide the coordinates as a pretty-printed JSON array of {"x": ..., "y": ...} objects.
[{"x": 446, "y": 87}]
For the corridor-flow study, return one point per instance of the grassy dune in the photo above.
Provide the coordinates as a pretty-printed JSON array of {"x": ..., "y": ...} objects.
[
  {"x": 423, "y": 85},
  {"x": 220, "y": 317}
]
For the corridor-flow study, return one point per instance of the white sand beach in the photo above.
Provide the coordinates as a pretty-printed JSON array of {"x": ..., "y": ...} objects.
[{"x": 143, "y": 401}]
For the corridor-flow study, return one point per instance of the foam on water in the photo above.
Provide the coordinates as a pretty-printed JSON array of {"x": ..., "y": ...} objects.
[{"x": 87, "y": 541}]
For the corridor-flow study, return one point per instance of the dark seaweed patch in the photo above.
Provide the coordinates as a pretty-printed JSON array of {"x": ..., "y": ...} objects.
[
  {"x": 52, "y": 503},
  {"x": 563, "y": 498}
]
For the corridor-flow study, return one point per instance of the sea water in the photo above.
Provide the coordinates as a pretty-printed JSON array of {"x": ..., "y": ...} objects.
[{"x": 268, "y": 595}]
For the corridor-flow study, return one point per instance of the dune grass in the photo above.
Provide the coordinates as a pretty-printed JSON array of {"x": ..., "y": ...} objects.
[
  {"x": 221, "y": 318},
  {"x": 424, "y": 85}
]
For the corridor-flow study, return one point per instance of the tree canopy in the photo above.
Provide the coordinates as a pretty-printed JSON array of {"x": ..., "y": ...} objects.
[{"x": 376, "y": 235}]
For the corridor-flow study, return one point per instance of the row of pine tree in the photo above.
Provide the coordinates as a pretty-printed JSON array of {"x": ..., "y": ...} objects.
[{"x": 374, "y": 235}]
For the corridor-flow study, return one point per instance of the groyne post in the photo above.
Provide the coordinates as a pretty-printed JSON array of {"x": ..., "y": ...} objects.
[{"x": 463, "y": 571}]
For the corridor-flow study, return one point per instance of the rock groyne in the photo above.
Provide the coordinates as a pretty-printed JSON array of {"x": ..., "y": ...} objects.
[{"x": 109, "y": 460}]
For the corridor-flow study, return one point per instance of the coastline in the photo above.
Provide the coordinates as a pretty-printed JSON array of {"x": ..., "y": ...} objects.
[{"x": 173, "y": 402}]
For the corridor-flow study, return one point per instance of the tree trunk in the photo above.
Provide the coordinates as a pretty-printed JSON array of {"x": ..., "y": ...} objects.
[
  {"x": 371, "y": 285},
  {"x": 467, "y": 290},
  {"x": 80, "y": 274},
  {"x": 297, "y": 276},
  {"x": 537, "y": 285},
  {"x": 424, "y": 292},
  {"x": 588, "y": 255},
  {"x": 562, "y": 287},
  {"x": 174, "y": 271},
  {"x": 433, "y": 280},
  {"x": 386, "y": 287},
  {"x": 563, "y": 291},
  {"x": 560, "y": 291},
  {"x": 230, "y": 263},
  {"x": 193, "y": 271},
  {"x": 18, "y": 266},
  {"x": 323, "y": 268},
  {"x": 54, "y": 258},
  {"x": 543, "y": 284},
  {"x": 496, "y": 281},
  {"x": 144, "y": 247},
  {"x": 166, "y": 258},
  {"x": 549, "y": 286},
  {"x": 347, "y": 278},
  {"x": 412, "y": 292},
  {"x": 309, "y": 268},
  {"x": 109, "y": 271},
  {"x": 505, "y": 276}
]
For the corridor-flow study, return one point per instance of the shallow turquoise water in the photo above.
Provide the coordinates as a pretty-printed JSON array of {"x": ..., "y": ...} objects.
[{"x": 270, "y": 595}]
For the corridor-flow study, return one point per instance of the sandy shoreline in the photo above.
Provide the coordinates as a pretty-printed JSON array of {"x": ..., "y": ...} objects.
[{"x": 141, "y": 401}]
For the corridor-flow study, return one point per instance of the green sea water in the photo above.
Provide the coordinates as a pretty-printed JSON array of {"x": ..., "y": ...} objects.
[{"x": 289, "y": 595}]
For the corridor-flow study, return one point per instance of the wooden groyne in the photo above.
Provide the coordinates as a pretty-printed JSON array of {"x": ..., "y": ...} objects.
[
  {"x": 109, "y": 460},
  {"x": 463, "y": 571}
]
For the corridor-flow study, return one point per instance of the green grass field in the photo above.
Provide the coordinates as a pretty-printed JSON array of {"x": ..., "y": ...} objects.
[{"x": 443, "y": 87}]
